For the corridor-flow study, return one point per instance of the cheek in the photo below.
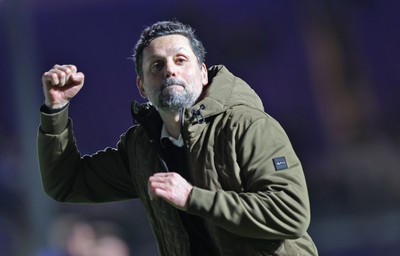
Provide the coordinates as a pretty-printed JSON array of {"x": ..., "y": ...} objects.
[
  {"x": 152, "y": 83},
  {"x": 194, "y": 77},
  {"x": 151, "y": 78}
]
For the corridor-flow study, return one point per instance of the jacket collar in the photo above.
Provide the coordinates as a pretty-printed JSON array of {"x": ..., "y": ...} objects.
[
  {"x": 149, "y": 118},
  {"x": 223, "y": 91}
]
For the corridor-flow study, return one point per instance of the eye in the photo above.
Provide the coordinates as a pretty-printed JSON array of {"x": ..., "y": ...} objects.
[
  {"x": 181, "y": 60},
  {"x": 156, "y": 66}
]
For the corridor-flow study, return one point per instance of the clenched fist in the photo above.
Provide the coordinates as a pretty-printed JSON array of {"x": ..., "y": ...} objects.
[{"x": 60, "y": 84}]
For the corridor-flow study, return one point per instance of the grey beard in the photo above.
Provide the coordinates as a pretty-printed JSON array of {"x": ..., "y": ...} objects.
[{"x": 173, "y": 101}]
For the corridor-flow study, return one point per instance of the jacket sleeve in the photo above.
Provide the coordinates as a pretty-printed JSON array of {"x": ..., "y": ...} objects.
[
  {"x": 68, "y": 177},
  {"x": 274, "y": 202}
]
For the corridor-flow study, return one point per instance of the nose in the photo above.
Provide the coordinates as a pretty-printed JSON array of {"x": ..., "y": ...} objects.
[{"x": 170, "y": 69}]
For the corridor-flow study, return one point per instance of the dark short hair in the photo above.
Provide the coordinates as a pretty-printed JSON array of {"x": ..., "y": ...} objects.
[{"x": 164, "y": 28}]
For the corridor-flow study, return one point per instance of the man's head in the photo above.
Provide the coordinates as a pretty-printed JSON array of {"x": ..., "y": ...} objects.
[
  {"x": 164, "y": 28},
  {"x": 170, "y": 66}
]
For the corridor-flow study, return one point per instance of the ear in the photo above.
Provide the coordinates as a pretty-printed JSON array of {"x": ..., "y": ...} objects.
[
  {"x": 139, "y": 83},
  {"x": 204, "y": 74}
]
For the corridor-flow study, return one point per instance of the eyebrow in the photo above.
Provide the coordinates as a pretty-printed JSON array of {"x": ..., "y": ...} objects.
[{"x": 154, "y": 56}]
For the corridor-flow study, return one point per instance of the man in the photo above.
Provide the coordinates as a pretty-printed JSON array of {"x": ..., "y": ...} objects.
[{"x": 216, "y": 174}]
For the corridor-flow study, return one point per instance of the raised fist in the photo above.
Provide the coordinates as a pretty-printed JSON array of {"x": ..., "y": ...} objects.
[{"x": 60, "y": 84}]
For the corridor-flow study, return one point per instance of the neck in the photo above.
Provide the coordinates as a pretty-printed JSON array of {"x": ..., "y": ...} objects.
[{"x": 172, "y": 123}]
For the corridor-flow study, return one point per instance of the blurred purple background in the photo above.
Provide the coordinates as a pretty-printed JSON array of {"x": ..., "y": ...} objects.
[{"x": 327, "y": 70}]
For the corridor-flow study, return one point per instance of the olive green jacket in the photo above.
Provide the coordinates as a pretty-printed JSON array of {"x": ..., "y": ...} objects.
[{"x": 251, "y": 201}]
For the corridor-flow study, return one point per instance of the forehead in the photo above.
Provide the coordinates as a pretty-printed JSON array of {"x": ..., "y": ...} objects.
[{"x": 165, "y": 45}]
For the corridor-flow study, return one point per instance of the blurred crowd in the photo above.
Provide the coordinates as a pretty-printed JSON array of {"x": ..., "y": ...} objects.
[{"x": 74, "y": 236}]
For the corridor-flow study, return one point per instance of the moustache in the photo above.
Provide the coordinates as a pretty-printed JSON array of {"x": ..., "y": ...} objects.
[{"x": 172, "y": 81}]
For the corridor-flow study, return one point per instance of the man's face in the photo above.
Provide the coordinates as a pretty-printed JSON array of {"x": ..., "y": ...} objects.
[{"x": 172, "y": 76}]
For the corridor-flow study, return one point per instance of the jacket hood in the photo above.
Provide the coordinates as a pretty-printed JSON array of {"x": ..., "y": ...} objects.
[{"x": 225, "y": 91}]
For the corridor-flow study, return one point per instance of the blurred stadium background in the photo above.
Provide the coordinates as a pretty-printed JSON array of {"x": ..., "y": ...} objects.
[{"x": 327, "y": 70}]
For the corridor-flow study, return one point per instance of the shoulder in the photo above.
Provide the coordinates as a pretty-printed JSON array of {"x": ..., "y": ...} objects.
[
  {"x": 133, "y": 132},
  {"x": 243, "y": 119},
  {"x": 242, "y": 114}
]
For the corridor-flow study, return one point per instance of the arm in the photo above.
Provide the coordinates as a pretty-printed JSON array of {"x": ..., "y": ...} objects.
[
  {"x": 274, "y": 204},
  {"x": 66, "y": 176}
]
